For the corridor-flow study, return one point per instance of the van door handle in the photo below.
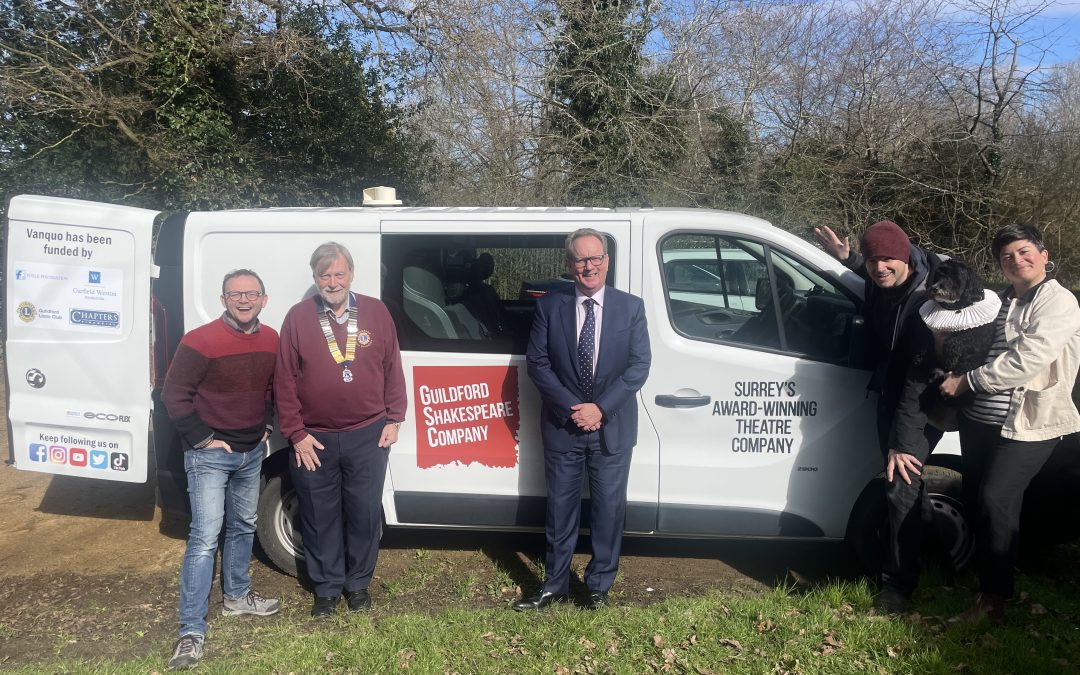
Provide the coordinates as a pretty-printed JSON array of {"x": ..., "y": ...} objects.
[{"x": 672, "y": 401}]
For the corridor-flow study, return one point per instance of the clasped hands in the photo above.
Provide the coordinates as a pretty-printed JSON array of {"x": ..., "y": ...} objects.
[{"x": 587, "y": 416}]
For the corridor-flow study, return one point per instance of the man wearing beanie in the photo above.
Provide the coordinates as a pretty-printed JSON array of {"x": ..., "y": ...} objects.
[{"x": 896, "y": 271}]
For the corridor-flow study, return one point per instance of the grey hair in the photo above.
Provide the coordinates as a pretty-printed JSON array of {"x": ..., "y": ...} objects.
[
  {"x": 578, "y": 234},
  {"x": 326, "y": 254},
  {"x": 242, "y": 273}
]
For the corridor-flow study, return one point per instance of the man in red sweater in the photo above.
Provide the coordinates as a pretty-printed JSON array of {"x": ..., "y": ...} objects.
[
  {"x": 217, "y": 393},
  {"x": 340, "y": 395}
]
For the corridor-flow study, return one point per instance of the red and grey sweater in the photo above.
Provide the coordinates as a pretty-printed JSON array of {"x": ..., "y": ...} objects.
[
  {"x": 219, "y": 385},
  {"x": 309, "y": 390}
]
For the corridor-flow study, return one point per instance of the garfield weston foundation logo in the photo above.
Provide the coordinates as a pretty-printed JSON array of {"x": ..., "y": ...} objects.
[{"x": 26, "y": 311}]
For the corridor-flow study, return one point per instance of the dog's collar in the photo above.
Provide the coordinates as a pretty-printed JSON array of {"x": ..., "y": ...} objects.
[{"x": 945, "y": 320}]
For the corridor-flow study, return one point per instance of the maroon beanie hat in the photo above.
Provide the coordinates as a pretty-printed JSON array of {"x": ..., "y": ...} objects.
[{"x": 885, "y": 239}]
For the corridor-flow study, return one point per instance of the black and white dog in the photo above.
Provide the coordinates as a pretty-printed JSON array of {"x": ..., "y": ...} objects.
[{"x": 961, "y": 314}]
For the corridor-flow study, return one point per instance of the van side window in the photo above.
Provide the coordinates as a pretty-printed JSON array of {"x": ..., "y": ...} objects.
[
  {"x": 470, "y": 293},
  {"x": 733, "y": 290}
]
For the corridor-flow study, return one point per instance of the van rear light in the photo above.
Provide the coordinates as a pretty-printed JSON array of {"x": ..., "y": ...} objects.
[{"x": 535, "y": 293}]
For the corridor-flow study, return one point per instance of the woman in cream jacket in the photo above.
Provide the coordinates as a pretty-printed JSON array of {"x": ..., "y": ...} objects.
[{"x": 1023, "y": 406}]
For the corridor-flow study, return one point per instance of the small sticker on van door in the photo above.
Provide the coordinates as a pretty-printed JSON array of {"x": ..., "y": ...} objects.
[{"x": 466, "y": 414}]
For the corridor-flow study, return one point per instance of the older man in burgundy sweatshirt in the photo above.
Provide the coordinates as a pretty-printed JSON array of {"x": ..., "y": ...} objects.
[{"x": 340, "y": 394}]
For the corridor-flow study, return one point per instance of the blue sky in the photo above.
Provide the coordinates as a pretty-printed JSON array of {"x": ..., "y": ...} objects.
[{"x": 1063, "y": 21}]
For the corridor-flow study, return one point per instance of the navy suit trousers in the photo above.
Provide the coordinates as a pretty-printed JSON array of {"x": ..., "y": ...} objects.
[
  {"x": 608, "y": 473},
  {"x": 341, "y": 509}
]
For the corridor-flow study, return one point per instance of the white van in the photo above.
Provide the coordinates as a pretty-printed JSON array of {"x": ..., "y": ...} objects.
[{"x": 756, "y": 420}]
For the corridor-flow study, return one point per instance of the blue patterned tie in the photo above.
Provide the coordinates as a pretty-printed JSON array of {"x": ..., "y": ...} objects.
[{"x": 585, "y": 346}]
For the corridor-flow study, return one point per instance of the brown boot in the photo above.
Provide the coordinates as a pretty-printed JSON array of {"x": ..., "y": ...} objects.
[{"x": 987, "y": 606}]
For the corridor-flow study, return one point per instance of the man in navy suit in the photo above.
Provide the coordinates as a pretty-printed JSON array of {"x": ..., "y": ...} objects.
[{"x": 588, "y": 356}]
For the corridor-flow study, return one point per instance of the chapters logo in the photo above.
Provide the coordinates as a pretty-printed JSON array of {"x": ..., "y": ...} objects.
[{"x": 93, "y": 317}]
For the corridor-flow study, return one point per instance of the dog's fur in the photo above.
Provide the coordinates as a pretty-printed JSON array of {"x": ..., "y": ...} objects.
[{"x": 954, "y": 285}]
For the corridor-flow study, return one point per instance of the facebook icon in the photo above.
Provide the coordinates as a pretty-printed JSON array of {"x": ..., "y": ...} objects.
[
  {"x": 38, "y": 453},
  {"x": 20, "y": 274}
]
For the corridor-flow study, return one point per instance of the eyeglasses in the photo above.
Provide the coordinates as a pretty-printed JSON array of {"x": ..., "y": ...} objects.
[
  {"x": 249, "y": 295},
  {"x": 594, "y": 260}
]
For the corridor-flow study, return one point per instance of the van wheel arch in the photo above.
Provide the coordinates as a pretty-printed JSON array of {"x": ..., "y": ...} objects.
[{"x": 866, "y": 531}]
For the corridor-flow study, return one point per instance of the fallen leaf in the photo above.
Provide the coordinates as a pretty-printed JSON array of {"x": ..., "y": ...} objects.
[
  {"x": 734, "y": 644},
  {"x": 657, "y": 641},
  {"x": 612, "y": 648},
  {"x": 587, "y": 643},
  {"x": 669, "y": 655},
  {"x": 404, "y": 656}
]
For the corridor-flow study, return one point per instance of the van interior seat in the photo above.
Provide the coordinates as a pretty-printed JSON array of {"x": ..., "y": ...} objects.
[
  {"x": 425, "y": 302},
  {"x": 425, "y": 305}
]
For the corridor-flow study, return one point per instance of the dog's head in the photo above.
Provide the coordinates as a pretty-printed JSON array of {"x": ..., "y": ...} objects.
[{"x": 954, "y": 285}]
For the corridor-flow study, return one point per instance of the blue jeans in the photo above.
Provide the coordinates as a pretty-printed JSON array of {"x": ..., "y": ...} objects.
[{"x": 222, "y": 487}]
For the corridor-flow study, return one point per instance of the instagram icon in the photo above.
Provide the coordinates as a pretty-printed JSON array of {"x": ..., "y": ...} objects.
[{"x": 57, "y": 454}]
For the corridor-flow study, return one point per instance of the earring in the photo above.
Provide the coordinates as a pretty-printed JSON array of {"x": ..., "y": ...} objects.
[{"x": 1050, "y": 266}]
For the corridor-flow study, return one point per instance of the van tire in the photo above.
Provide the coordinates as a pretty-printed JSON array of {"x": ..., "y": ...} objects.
[
  {"x": 956, "y": 539},
  {"x": 867, "y": 526},
  {"x": 278, "y": 524}
]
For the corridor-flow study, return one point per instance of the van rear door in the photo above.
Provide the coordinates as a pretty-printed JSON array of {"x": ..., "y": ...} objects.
[{"x": 78, "y": 337}]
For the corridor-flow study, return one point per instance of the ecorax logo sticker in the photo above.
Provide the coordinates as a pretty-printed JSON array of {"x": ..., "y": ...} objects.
[{"x": 466, "y": 414}]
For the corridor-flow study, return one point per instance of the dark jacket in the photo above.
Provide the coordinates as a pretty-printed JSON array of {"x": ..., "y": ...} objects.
[
  {"x": 621, "y": 368},
  {"x": 902, "y": 348}
]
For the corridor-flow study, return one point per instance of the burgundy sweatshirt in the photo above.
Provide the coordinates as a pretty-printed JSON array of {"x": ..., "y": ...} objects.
[
  {"x": 308, "y": 386},
  {"x": 219, "y": 384}
]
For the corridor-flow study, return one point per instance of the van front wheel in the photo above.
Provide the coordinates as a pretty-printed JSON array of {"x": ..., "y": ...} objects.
[
  {"x": 278, "y": 525},
  {"x": 951, "y": 535}
]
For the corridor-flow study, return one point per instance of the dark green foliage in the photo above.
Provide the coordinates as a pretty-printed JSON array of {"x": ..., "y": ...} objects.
[{"x": 194, "y": 104}]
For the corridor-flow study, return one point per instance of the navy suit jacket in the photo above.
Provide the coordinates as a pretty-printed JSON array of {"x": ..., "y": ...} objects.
[{"x": 622, "y": 364}]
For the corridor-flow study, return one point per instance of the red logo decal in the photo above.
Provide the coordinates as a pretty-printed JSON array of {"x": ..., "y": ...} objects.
[{"x": 466, "y": 414}]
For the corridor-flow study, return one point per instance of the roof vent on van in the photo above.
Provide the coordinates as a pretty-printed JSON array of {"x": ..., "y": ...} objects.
[{"x": 381, "y": 196}]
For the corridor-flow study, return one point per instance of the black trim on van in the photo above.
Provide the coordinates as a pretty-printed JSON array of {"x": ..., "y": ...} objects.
[
  {"x": 491, "y": 511},
  {"x": 728, "y": 521}
]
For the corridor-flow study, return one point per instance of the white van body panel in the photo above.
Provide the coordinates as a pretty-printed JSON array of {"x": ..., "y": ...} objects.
[
  {"x": 690, "y": 466},
  {"x": 78, "y": 340}
]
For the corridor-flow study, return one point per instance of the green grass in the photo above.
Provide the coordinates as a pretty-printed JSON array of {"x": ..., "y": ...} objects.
[{"x": 829, "y": 629}]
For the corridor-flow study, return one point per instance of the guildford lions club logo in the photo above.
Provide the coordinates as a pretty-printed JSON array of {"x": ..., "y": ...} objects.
[
  {"x": 26, "y": 311},
  {"x": 363, "y": 338}
]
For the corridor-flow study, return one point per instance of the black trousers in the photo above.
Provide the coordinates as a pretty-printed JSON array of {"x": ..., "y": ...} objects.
[
  {"x": 341, "y": 509},
  {"x": 910, "y": 515},
  {"x": 997, "y": 471}
]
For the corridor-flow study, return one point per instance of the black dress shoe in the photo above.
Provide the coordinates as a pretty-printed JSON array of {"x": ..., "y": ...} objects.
[
  {"x": 359, "y": 601},
  {"x": 538, "y": 601},
  {"x": 323, "y": 607},
  {"x": 597, "y": 599}
]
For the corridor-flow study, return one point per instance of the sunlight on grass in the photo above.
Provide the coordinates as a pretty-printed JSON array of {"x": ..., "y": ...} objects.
[{"x": 828, "y": 629}]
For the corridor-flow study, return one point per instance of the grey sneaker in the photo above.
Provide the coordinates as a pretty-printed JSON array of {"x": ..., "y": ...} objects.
[
  {"x": 252, "y": 603},
  {"x": 187, "y": 653}
]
